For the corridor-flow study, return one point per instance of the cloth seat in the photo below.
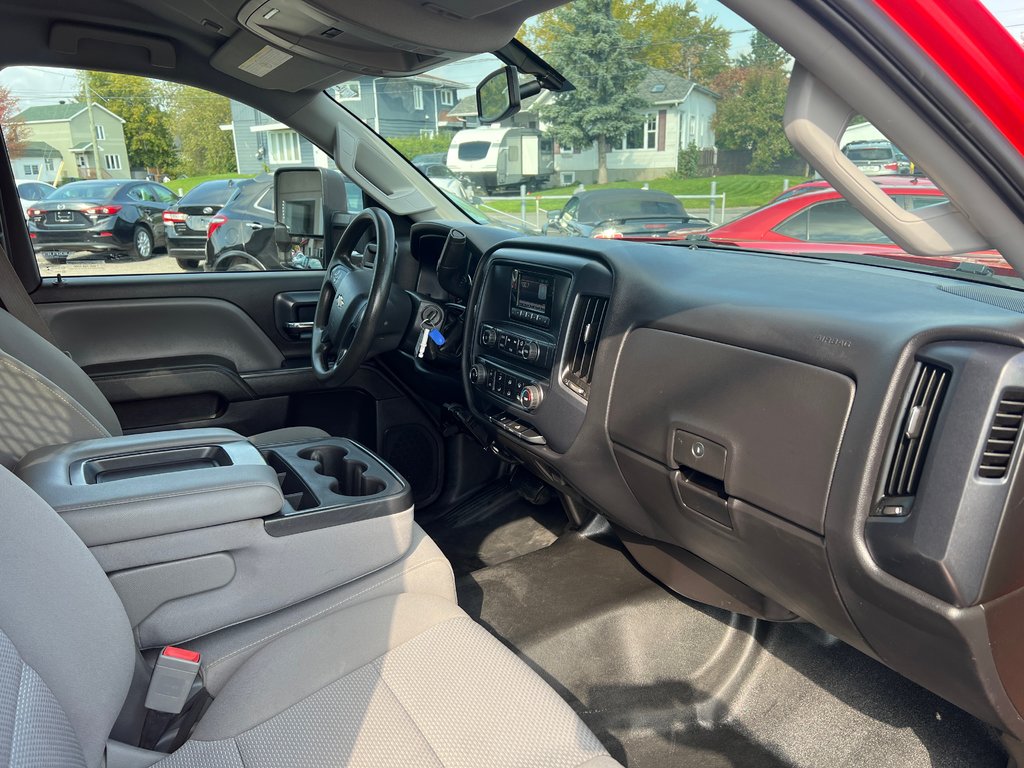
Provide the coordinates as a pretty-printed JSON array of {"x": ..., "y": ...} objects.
[
  {"x": 402, "y": 680},
  {"x": 406, "y": 680}
]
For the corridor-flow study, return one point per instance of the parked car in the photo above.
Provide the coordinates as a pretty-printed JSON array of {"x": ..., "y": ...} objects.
[
  {"x": 187, "y": 220},
  {"x": 878, "y": 157},
  {"x": 240, "y": 236},
  {"x": 888, "y": 180},
  {"x": 822, "y": 221},
  {"x": 621, "y": 213},
  {"x": 31, "y": 192},
  {"x": 444, "y": 179},
  {"x": 108, "y": 217},
  {"x": 430, "y": 158}
]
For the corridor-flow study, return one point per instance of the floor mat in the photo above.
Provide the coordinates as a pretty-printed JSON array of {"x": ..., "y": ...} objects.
[
  {"x": 666, "y": 682},
  {"x": 494, "y": 527}
]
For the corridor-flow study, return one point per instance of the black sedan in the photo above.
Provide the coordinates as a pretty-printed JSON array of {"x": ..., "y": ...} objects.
[
  {"x": 620, "y": 213},
  {"x": 187, "y": 221},
  {"x": 110, "y": 218}
]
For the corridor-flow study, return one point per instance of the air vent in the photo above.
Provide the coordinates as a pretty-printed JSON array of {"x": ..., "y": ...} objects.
[
  {"x": 1002, "y": 436},
  {"x": 581, "y": 346},
  {"x": 916, "y": 430}
]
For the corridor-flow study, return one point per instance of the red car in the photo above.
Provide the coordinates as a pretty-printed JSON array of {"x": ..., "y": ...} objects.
[
  {"x": 893, "y": 180},
  {"x": 820, "y": 221}
]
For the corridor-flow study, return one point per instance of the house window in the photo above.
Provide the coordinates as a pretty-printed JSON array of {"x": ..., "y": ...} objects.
[
  {"x": 83, "y": 161},
  {"x": 447, "y": 97},
  {"x": 417, "y": 97},
  {"x": 113, "y": 162},
  {"x": 101, "y": 132},
  {"x": 283, "y": 147},
  {"x": 31, "y": 170},
  {"x": 351, "y": 91},
  {"x": 48, "y": 163},
  {"x": 642, "y": 136}
]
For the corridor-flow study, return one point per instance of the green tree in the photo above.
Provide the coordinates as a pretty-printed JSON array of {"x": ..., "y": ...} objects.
[
  {"x": 197, "y": 116},
  {"x": 764, "y": 53},
  {"x": 674, "y": 37},
  {"x": 671, "y": 36},
  {"x": 750, "y": 117},
  {"x": 753, "y": 92},
  {"x": 138, "y": 101},
  {"x": 606, "y": 103}
]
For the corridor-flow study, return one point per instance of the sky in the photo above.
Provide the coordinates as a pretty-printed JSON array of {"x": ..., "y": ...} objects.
[{"x": 40, "y": 85}]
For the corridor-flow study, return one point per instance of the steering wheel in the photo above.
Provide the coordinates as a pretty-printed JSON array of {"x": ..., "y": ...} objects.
[{"x": 353, "y": 297}]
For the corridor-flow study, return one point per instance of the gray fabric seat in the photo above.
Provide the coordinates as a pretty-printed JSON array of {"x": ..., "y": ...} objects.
[
  {"x": 46, "y": 399},
  {"x": 401, "y": 680}
]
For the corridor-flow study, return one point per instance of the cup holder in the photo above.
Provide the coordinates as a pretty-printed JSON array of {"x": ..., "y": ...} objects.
[{"x": 348, "y": 476}]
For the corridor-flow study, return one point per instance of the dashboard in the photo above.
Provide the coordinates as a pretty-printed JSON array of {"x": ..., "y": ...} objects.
[{"x": 785, "y": 437}]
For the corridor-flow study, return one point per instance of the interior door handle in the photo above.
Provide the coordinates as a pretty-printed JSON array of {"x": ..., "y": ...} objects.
[{"x": 296, "y": 326}]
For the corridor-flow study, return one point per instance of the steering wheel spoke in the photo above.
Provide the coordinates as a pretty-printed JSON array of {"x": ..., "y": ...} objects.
[{"x": 353, "y": 298}]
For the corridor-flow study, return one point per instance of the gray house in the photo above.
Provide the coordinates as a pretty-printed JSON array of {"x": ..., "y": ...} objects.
[
  {"x": 263, "y": 144},
  {"x": 408, "y": 106},
  {"x": 416, "y": 106}
]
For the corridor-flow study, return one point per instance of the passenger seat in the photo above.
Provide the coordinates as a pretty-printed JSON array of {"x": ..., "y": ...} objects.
[{"x": 403, "y": 680}]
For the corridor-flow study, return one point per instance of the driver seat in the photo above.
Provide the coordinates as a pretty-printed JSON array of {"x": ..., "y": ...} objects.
[{"x": 46, "y": 399}]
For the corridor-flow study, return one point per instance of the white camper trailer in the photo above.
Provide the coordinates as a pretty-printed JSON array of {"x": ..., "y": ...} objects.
[{"x": 502, "y": 158}]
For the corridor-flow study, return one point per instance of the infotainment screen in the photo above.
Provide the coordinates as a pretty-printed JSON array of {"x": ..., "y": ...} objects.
[{"x": 531, "y": 297}]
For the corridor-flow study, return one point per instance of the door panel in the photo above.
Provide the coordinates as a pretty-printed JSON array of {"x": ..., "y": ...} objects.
[{"x": 177, "y": 351}]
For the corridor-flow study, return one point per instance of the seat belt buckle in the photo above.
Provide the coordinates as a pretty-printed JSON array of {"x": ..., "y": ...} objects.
[{"x": 173, "y": 676}]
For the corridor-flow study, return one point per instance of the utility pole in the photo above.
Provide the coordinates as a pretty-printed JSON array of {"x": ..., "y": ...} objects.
[{"x": 92, "y": 129}]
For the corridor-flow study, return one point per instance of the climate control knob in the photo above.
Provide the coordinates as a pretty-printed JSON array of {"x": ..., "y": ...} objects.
[
  {"x": 531, "y": 352},
  {"x": 478, "y": 374},
  {"x": 530, "y": 396},
  {"x": 489, "y": 337}
]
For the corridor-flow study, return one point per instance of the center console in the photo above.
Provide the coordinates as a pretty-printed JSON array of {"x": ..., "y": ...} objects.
[
  {"x": 200, "y": 530},
  {"x": 534, "y": 331}
]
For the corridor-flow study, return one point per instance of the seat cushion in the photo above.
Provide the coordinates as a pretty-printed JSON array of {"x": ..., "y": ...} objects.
[
  {"x": 406, "y": 680},
  {"x": 423, "y": 570}
]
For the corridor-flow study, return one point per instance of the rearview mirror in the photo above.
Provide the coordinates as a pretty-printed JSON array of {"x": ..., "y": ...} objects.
[{"x": 497, "y": 96}]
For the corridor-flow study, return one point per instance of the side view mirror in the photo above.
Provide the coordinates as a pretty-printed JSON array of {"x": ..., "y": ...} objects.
[{"x": 554, "y": 215}]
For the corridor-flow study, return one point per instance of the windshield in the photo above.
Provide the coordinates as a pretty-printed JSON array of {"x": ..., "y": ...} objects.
[{"x": 680, "y": 98}]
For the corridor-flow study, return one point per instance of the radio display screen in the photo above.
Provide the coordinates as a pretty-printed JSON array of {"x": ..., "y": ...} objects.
[{"x": 531, "y": 296}]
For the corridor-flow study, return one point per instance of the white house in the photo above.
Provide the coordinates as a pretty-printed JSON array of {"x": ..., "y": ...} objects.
[{"x": 679, "y": 114}]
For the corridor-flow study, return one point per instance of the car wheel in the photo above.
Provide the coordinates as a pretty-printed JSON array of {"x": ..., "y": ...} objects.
[
  {"x": 142, "y": 243},
  {"x": 188, "y": 264}
]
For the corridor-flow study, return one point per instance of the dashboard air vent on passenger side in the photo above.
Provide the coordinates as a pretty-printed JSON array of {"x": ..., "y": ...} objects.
[
  {"x": 1002, "y": 435},
  {"x": 581, "y": 346},
  {"x": 916, "y": 429}
]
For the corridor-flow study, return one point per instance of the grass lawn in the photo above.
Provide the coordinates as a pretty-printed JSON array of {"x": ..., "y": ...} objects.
[
  {"x": 181, "y": 186},
  {"x": 740, "y": 191}
]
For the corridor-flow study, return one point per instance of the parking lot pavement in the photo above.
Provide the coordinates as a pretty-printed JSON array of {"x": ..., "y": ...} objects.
[{"x": 159, "y": 264}]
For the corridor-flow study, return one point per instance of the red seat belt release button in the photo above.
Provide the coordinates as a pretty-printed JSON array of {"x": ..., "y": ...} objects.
[{"x": 172, "y": 680}]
